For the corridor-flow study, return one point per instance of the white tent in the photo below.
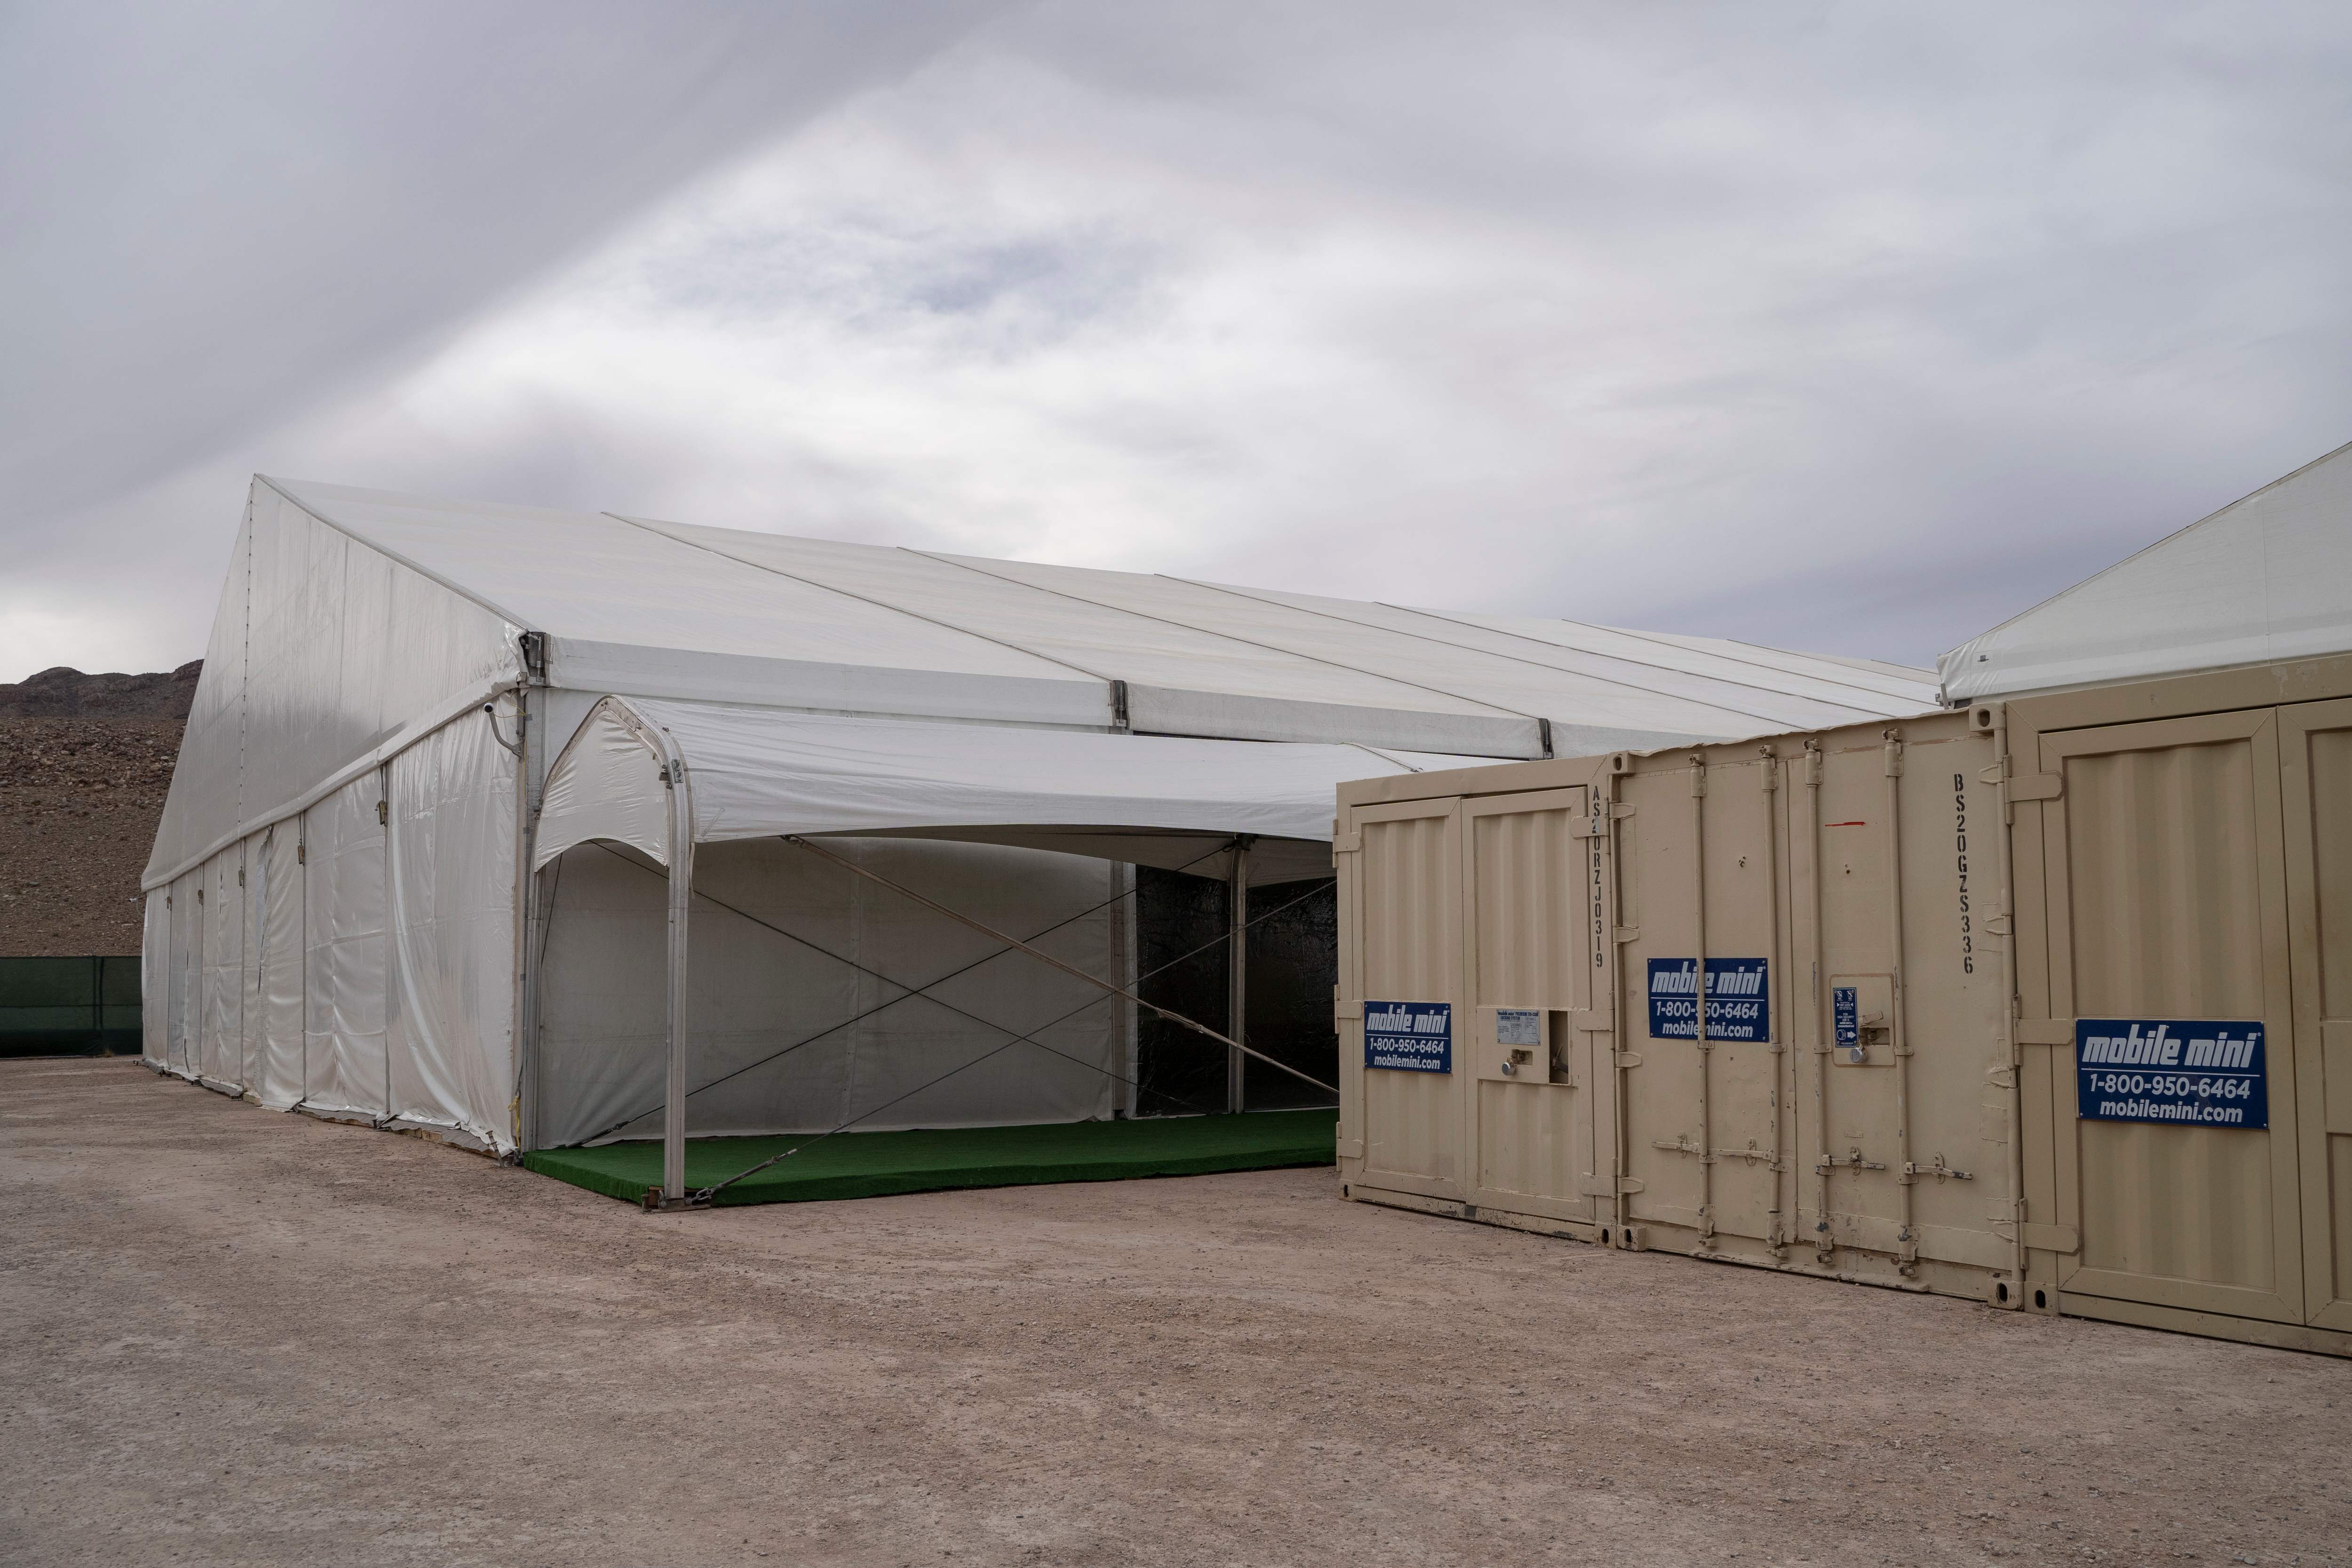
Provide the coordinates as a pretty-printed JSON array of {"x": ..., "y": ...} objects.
[
  {"x": 2262, "y": 580},
  {"x": 412, "y": 870}
]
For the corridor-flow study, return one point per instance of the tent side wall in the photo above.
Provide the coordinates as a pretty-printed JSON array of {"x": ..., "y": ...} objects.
[
  {"x": 325, "y": 655},
  {"x": 800, "y": 1015},
  {"x": 332, "y": 895}
]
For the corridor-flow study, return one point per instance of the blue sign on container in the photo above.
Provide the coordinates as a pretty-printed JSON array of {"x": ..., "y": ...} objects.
[
  {"x": 1845, "y": 1014},
  {"x": 1738, "y": 999},
  {"x": 1409, "y": 1036},
  {"x": 2184, "y": 1072}
]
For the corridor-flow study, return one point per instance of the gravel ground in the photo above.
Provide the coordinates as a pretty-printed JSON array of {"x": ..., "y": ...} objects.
[{"x": 239, "y": 1336}]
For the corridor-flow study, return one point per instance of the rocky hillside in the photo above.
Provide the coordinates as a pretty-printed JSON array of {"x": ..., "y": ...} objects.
[
  {"x": 63, "y": 693},
  {"x": 84, "y": 763}
]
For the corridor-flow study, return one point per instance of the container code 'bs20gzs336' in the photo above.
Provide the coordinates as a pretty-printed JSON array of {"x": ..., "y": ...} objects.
[{"x": 2036, "y": 1002}]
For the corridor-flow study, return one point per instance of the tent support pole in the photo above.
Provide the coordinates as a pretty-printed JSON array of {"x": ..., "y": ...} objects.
[
  {"x": 1237, "y": 973},
  {"x": 674, "y": 1037}
]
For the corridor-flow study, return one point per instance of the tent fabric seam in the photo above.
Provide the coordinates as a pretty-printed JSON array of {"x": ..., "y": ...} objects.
[
  {"x": 1495, "y": 707},
  {"x": 1517, "y": 658},
  {"x": 652, "y": 526},
  {"x": 1651, "y": 664},
  {"x": 1660, "y": 641},
  {"x": 430, "y": 575}
]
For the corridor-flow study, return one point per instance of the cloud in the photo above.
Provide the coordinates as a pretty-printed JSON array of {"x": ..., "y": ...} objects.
[
  {"x": 1852, "y": 328},
  {"x": 226, "y": 213}
]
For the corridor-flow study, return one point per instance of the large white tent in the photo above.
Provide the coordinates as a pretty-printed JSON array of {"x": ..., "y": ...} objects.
[
  {"x": 454, "y": 770},
  {"x": 2262, "y": 581}
]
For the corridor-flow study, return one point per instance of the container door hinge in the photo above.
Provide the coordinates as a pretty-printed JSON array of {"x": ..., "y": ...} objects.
[
  {"x": 1620, "y": 811},
  {"x": 1607, "y": 1186},
  {"x": 1347, "y": 843},
  {"x": 1626, "y": 933},
  {"x": 2045, "y": 1031},
  {"x": 2036, "y": 786},
  {"x": 2049, "y": 1237},
  {"x": 2001, "y": 1077},
  {"x": 1999, "y": 925},
  {"x": 1587, "y": 828},
  {"x": 1625, "y": 1059}
]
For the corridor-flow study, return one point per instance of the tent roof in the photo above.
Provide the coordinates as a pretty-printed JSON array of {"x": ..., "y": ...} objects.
[
  {"x": 757, "y": 772},
  {"x": 642, "y": 607},
  {"x": 2265, "y": 578}
]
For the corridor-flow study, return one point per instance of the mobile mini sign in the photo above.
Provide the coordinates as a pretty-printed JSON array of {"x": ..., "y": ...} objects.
[
  {"x": 2186, "y": 1072},
  {"x": 1409, "y": 1036},
  {"x": 1738, "y": 999}
]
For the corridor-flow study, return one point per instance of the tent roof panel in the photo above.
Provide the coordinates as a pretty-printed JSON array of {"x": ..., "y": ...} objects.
[
  {"x": 1729, "y": 701},
  {"x": 762, "y": 771},
  {"x": 1889, "y": 691},
  {"x": 598, "y": 578},
  {"x": 2264, "y": 578},
  {"x": 1075, "y": 632},
  {"x": 665, "y": 609}
]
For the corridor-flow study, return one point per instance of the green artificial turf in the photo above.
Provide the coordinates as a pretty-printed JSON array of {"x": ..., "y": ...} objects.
[{"x": 872, "y": 1164}]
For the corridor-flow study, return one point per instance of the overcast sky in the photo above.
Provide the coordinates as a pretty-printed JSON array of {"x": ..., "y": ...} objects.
[{"x": 1855, "y": 328}]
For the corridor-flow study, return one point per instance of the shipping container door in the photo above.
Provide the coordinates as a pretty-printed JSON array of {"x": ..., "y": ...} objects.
[
  {"x": 2164, "y": 870},
  {"x": 1696, "y": 874},
  {"x": 1409, "y": 893},
  {"x": 1529, "y": 911},
  {"x": 2316, "y": 762}
]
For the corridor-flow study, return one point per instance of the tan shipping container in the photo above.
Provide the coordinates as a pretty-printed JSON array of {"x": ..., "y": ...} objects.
[{"x": 1951, "y": 967}]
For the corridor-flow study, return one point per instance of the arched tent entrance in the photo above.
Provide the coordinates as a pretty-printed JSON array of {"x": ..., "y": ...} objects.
[{"x": 657, "y": 784}]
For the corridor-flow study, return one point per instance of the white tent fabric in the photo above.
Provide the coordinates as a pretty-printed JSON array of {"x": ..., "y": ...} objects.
[
  {"x": 803, "y": 1009},
  {"x": 274, "y": 1022},
  {"x": 2264, "y": 579},
  {"x": 761, "y": 773},
  {"x": 346, "y": 872}
]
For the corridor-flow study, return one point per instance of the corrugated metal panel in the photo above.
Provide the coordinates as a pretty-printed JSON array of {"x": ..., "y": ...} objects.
[
  {"x": 2167, "y": 864},
  {"x": 1528, "y": 934},
  {"x": 1409, "y": 869},
  {"x": 2316, "y": 753}
]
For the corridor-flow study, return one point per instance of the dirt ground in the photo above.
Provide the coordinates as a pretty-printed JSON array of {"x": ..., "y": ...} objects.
[{"x": 240, "y": 1337}]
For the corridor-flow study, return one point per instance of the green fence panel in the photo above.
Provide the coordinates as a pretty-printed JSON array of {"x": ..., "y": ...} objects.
[{"x": 51, "y": 1006}]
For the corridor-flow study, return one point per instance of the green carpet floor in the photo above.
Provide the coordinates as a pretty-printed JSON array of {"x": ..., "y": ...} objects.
[{"x": 872, "y": 1164}]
